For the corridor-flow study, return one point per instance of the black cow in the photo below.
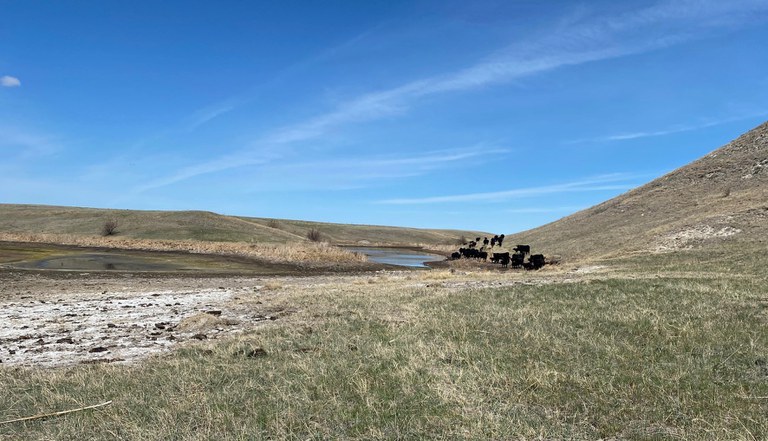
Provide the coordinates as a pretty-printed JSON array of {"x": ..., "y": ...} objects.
[
  {"x": 497, "y": 257},
  {"x": 517, "y": 260},
  {"x": 525, "y": 249},
  {"x": 456, "y": 255},
  {"x": 505, "y": 260},
  {"x": 500, "y": 240},
  {"x": 535, "y": 262}
]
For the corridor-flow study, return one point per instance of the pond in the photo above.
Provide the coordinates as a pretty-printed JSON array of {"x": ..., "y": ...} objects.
[{"x": 397, "y": 256}]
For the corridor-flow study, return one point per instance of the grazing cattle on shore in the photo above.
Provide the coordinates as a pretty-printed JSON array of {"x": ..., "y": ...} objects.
[
  {"x": 500, "y": 240},
  {"x": 524, "y": 249},
  {"x": 472, "y": 253},
  {"x": 456, "y": 255},
  {"x": 535, "y": 262},
  {"x": 497, "y": 257},
  {"x": 517, "y": 260}
]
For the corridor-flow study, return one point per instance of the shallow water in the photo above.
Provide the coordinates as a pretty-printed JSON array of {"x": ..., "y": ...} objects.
[
  {"x": 101, "y": 261},
  {"x": 397, "y": 256}
]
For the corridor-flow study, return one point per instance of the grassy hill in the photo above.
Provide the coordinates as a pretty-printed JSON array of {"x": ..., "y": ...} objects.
[
  {"x": 207, "y": 226},
  {"x": 721, "y": 198}
]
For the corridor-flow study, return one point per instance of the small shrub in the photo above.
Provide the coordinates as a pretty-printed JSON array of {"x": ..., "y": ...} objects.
[
  {"x": 314, "y": 235},
  {"x": 274, "y": 223},
  {"x": 461, "y": 240},
  {"x": 109, "y": 228}
]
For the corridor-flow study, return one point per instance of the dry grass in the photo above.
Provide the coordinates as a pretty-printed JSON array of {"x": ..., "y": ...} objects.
[
  {"x": 207, "y": 226},
  {"x": 292, "y": 252},
  {"x": 685, "y": 208},
  {"x": 443, "y": 355}
]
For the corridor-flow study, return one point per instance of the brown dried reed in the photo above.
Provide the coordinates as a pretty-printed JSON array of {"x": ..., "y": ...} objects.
[{"x": 285, "y": 252}]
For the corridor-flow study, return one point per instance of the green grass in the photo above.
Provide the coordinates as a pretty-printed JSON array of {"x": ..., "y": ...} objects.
[
  {"x": 729, "y": 259},
  {"x": 657, "y": 358}
]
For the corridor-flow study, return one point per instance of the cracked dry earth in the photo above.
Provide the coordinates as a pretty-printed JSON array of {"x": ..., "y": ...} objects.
[{"x": 58, "y": 321}]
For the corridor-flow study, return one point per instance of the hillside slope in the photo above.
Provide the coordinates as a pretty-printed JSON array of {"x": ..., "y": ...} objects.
[
  {"x": 722, "y": 197},
  {"x": 206, "y": 226}
]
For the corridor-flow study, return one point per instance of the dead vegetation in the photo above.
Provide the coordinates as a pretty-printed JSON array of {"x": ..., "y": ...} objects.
[
  {"x": 289, "y": 252},
  {"x": 720, "y": 197}
]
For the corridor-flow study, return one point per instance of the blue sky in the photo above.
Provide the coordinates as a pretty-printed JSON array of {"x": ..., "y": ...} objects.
[{"x": 490, "y": 115}]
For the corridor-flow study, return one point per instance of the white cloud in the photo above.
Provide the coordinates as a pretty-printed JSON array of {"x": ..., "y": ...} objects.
[
  {"x": 670, "y": 130},
  {"x": 9, "y": 81},
  {"x": 360, "y": 172},
  {"x": 545, "y": 210},
  {"x": 596, "y": 183},
  {"x": 27, "y": 145},
  {"x": 589, "y": 40}
]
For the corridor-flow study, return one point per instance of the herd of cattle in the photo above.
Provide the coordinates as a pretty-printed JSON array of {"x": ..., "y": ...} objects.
[{"x": 516, "y": 259}]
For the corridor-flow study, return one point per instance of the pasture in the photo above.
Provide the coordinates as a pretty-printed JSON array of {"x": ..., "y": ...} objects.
[{"x": 634, "y": 349}]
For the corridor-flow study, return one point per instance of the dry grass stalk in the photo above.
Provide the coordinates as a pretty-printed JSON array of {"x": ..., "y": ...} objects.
[
  {"x": 54, "y": 414},
  {"x": 298, "y": 252}
]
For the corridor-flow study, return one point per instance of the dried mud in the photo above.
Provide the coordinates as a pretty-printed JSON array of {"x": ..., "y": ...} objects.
[
  {"x": 56, "y": 318},
  {"x": 54, "y": 321}
]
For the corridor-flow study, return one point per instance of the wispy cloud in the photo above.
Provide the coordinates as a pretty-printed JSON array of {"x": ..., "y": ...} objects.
[
  {"x": 27, "y": 145},
  {"x": 545, "y": 210},
  {"x": 222, "y": 163},
  {"x": 9, "y": 81},
  {"x": 670, "y": 130},
  {"x": 616, "y": 181},
  {"x": 359, "y": 172},
  {"x": 212, "y": 112},
  {"x": 584, "y": 41}
]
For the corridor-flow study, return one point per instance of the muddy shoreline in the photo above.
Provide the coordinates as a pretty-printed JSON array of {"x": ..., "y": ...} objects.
[{"x": 63, "y": 317}]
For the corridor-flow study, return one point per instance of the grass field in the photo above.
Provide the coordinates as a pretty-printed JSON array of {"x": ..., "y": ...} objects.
[
  {"x": 652, "y": 354},
  {"x": 203, "y": 226}
]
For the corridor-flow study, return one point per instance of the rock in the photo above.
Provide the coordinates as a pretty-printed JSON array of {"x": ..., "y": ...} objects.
[
  {"x": 98, "y": 349},
  {"x": 214, "y": 313},
  {"x": 200, "y": 336},
  {"x": 66, "y": 340}
]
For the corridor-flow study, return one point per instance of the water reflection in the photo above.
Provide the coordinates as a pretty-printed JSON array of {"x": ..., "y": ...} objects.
[{"x": 397, "y": 256}]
